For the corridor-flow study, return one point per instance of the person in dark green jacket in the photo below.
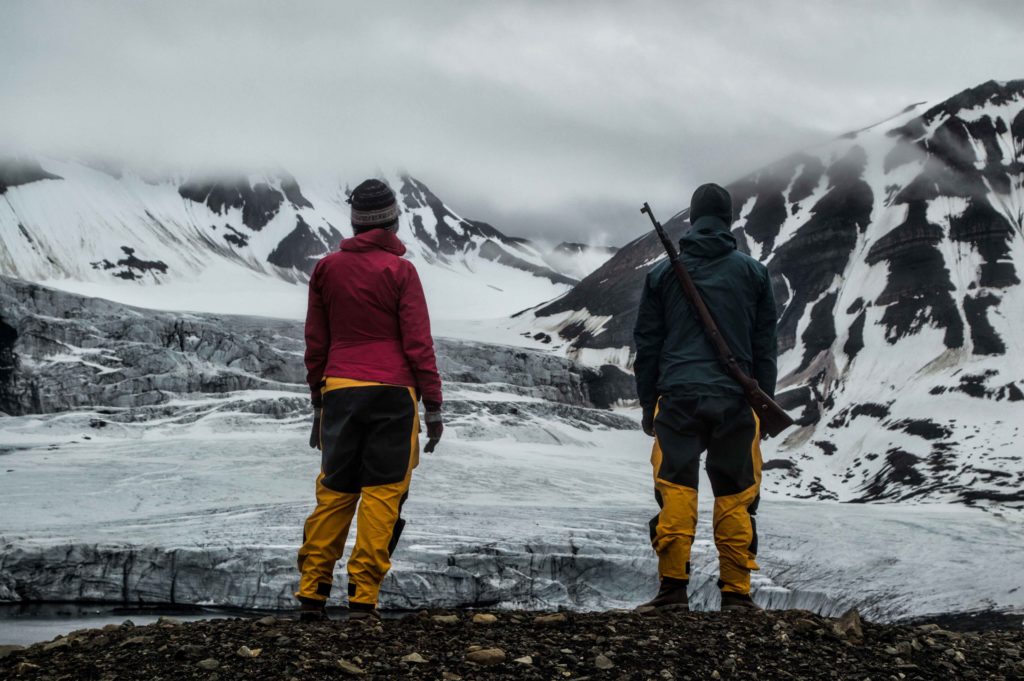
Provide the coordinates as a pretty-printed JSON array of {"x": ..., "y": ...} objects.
[{"x": 691, "y": 405}]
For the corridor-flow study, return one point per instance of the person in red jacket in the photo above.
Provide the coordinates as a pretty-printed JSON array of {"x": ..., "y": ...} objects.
[{"x": 369, "y": 359}]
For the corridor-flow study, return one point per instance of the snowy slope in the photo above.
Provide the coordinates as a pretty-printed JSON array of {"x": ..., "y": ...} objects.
[
  {"x": 896, "y": 253},
  {"x": 242, "y": 245}
]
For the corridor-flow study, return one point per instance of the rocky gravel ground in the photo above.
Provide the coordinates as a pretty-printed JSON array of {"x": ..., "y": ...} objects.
[{"x": 460, "y": 645}]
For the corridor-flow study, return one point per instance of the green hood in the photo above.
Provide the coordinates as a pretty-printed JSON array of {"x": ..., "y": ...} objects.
[{"x": 708, "y": 238}]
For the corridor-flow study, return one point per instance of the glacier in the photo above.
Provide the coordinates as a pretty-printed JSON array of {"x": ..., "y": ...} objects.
[
  {"x": 157, "y": 457},
  {"x": 213, "y": 516}
]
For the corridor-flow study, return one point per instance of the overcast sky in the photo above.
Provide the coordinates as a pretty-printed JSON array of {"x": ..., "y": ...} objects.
[{"x": 552, "y": 119}]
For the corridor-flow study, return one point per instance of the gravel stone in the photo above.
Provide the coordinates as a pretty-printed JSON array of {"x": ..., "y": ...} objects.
[
  {"x": 349, "y": 668},
  {"x": 9, "y": 650},
  {"x": 849, "y": 626},
  {"x": 692, "y": 646},
  {"x": 59, "y": 643},
  {"x": 486, "y": 657}
]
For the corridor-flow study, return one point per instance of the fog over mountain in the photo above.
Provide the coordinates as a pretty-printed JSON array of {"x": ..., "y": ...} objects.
[{"x": 549, "y": 119}]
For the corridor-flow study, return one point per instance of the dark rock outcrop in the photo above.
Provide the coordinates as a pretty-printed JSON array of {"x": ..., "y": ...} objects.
[
  {"x": 15, "y": 171},
  {"x": 131, "y": 266},
  {"x": 302, "y": 248},
  {"x": 259, "y": 202}
]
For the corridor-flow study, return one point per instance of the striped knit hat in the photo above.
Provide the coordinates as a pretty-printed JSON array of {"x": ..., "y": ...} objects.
[{"x": 373, "y": 205}]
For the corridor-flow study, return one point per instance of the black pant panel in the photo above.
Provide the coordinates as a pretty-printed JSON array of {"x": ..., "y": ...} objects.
[
  {"x": 367, "y": 436},
  {"x": 729, "y": 464},
  {"x": 723, "y": 426},
  {"x": 683, "y": 436}
]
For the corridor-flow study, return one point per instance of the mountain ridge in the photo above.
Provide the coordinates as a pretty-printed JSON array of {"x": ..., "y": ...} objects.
[
  {"x": 106, "y": 230},
  {"x": 895, "y": 254}
]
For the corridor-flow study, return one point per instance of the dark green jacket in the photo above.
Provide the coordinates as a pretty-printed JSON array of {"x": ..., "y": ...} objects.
[{"x": 673, "y": 353}]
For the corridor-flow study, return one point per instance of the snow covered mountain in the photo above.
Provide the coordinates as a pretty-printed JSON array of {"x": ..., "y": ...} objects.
[
  {"x": 240, "y": 244},
  {"x": 896, "y": 253},
  {"x": 895, "y": 250}
]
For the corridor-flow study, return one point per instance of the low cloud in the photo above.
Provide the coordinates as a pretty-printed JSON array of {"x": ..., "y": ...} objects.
[{"x": 547, "y": 118}]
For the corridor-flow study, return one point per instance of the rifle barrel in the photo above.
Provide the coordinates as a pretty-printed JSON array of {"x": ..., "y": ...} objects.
[{"x": 773, "y": 418}]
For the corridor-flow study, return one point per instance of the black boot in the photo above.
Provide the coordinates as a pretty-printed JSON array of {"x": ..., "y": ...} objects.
[
  {"x": 312, "y": 610},
  {"x": 362, "y": 611},
  {"x": 671, "y": 595},
  {"x": 737, "y": 602}
]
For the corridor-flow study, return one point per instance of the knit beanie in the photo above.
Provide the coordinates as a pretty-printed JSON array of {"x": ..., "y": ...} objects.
[
  {"x": 711, "y": 199},
  {"x": 373, "y": 205}
]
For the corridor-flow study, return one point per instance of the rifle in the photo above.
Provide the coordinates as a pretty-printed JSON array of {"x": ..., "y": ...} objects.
[{"x": 773, "y": 418}]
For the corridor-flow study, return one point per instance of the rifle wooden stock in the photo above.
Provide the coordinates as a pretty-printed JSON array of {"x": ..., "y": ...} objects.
[{"x": 773, "y": 418}]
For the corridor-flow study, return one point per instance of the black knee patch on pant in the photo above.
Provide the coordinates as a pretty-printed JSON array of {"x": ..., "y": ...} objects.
[
  {"x": 396, "y": 531},
  {"x": 396, "y": 534},
  {"x": 323, "y": 589},
  {"x": 653, "y": 522},
  {"x": 752, "y": 511},
  {"x": 351, "y": 589},
  {"x": 302, "y": 556}
]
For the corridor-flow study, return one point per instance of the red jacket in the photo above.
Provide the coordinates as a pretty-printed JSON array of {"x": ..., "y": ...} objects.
[{"x": 367, "y": 318}]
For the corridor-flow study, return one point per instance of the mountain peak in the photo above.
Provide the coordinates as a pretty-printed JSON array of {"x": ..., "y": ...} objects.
[
  {"x": 896, "y": 258},
  {"x": 230, "y": 234}
]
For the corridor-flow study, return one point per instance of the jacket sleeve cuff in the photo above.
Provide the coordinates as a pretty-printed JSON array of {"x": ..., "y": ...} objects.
[
  {"x": 315, "y": 397},
  {"x": 430, "y": 405}
]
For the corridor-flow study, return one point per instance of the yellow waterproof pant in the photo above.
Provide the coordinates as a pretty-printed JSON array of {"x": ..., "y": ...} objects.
[
  {"x": 369, "y": 441},
  {"x": 729, "y": 431}
]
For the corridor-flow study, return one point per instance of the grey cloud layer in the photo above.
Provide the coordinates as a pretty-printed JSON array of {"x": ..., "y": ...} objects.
[{"x": 548, "y": 117}]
